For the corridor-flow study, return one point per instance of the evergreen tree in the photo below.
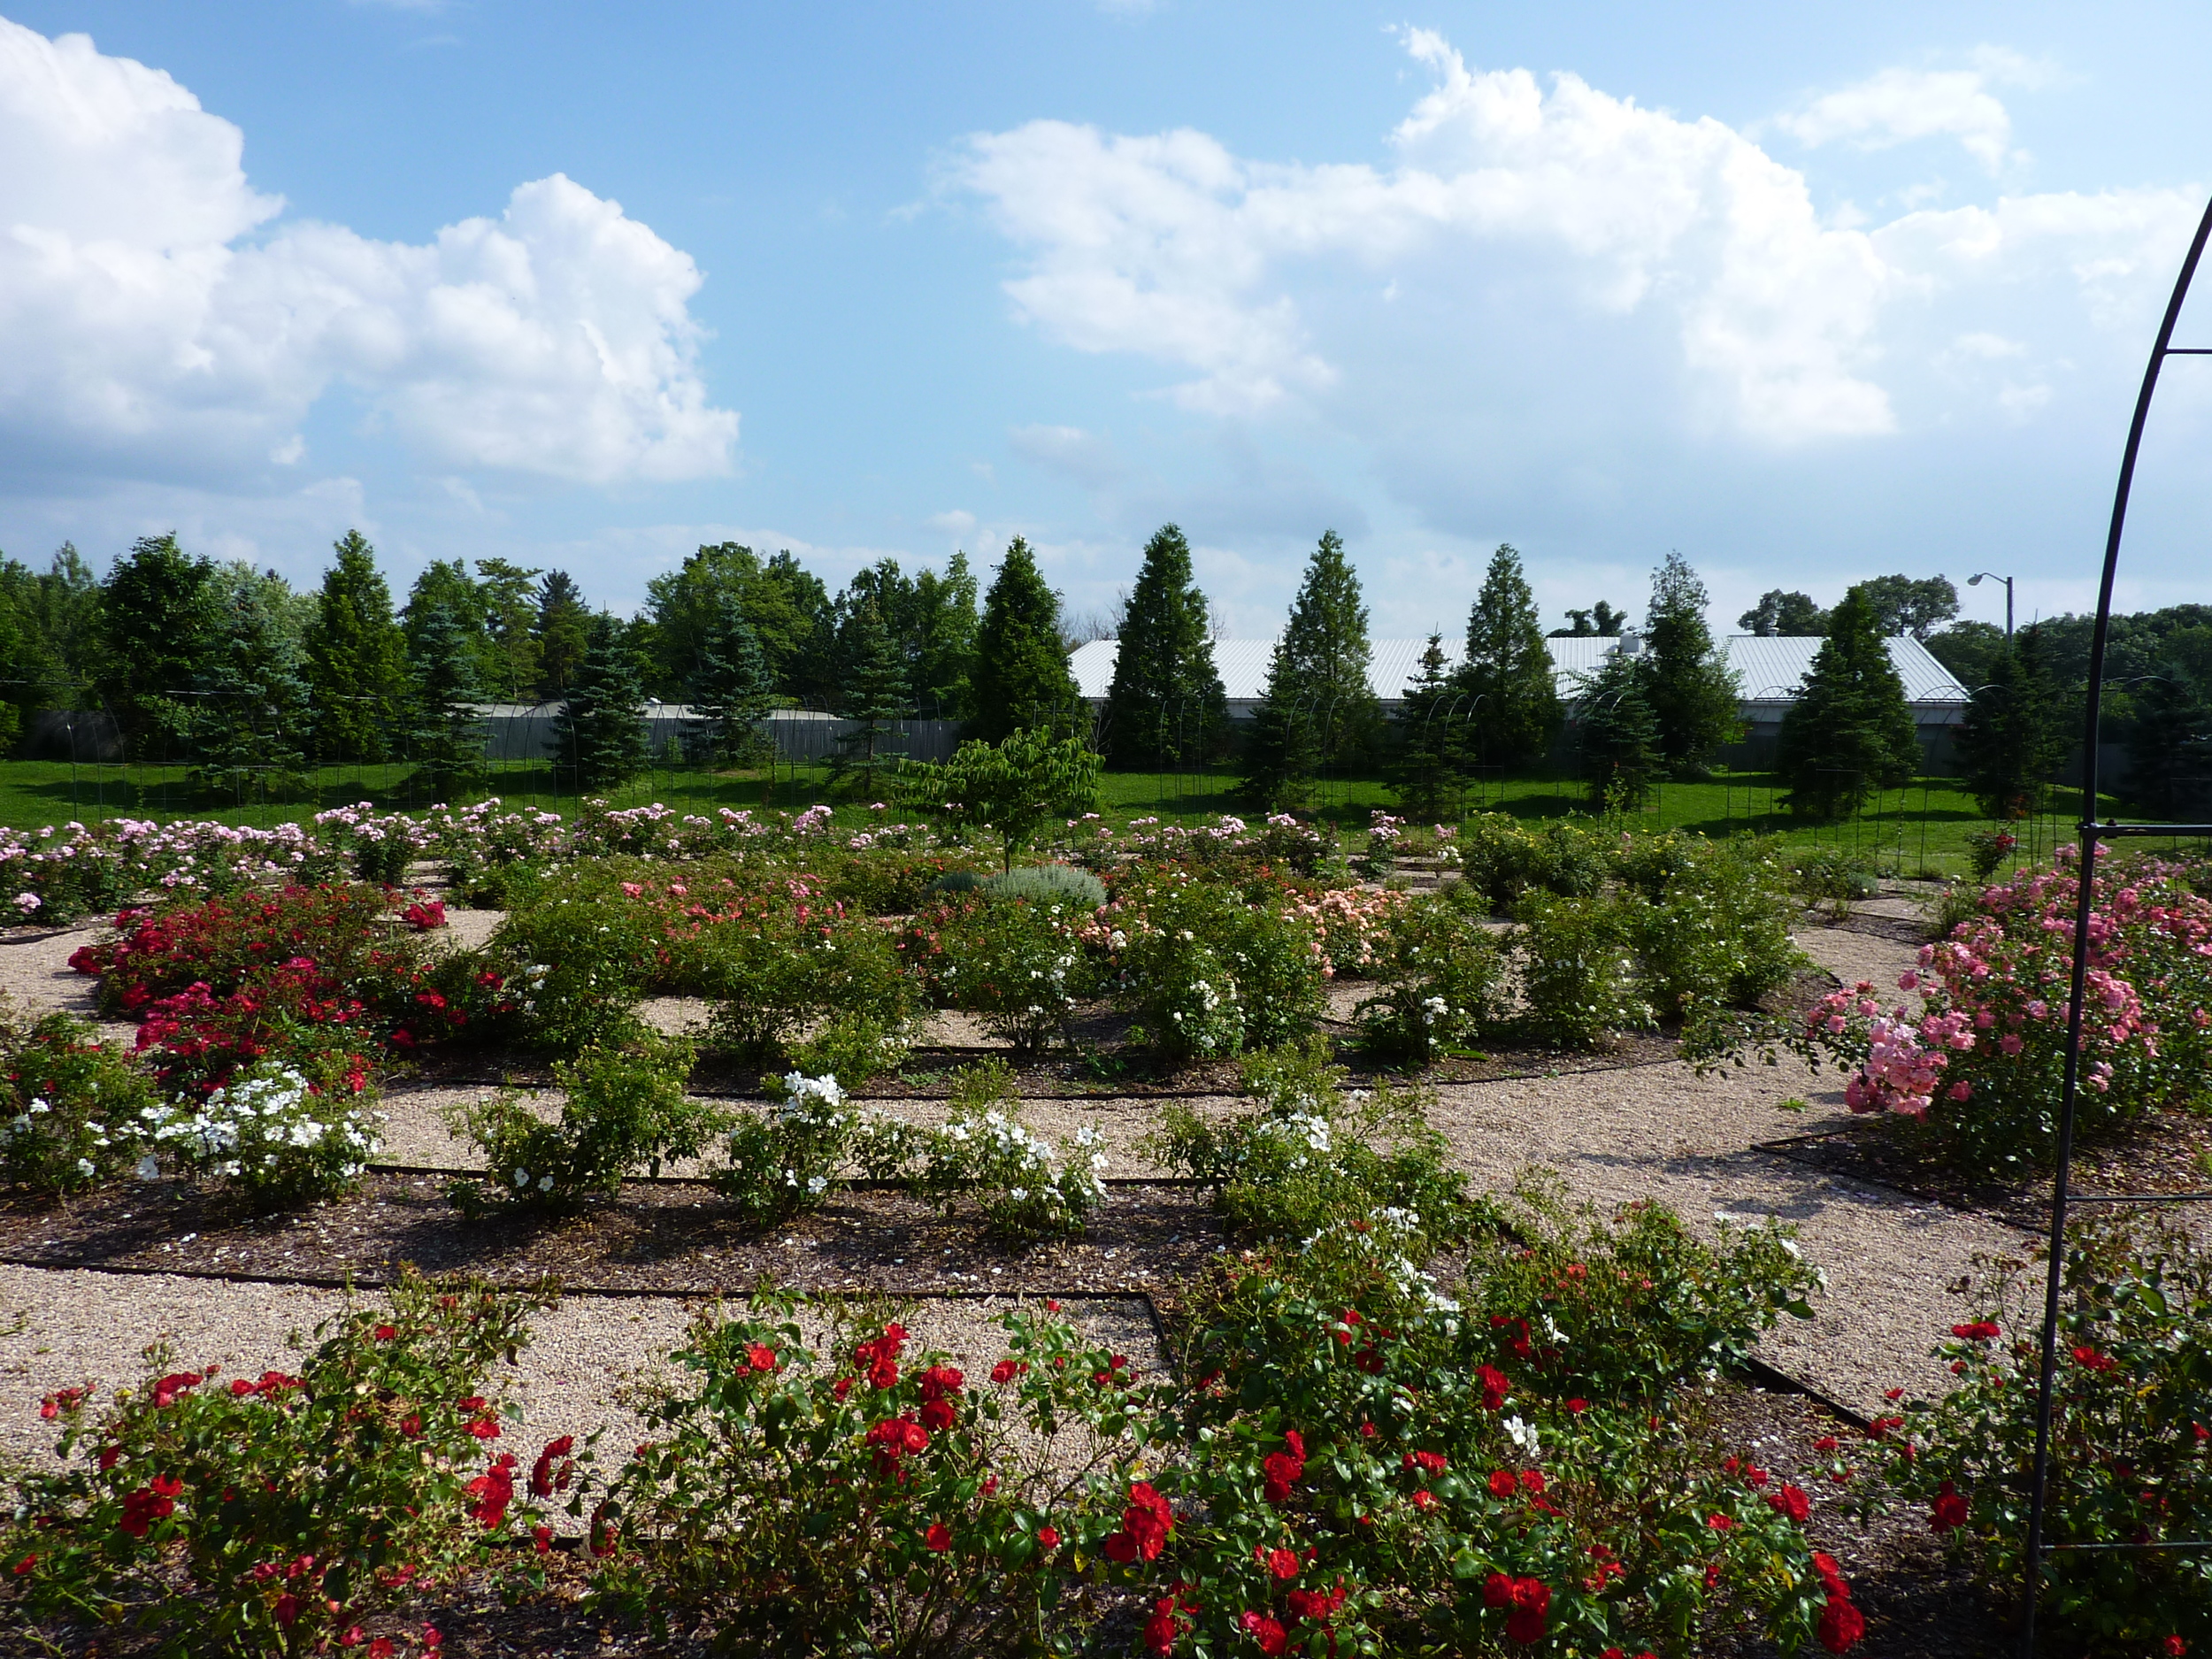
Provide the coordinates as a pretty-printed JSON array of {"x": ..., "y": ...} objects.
[
  {"x": 1022, "y": 677},
  {"x": 1318, "y": 709},
  {"x": 2169, "y": 746},
  {"x": 448, "y": 738},
  {"x": 509, "y": 595},
  {"x": 1787, "y": 615},
  {"x": 159, "y": 623},
  {"x": 598, "y": 738},
  {"x": 944, "y": 645},
  {"x": 446, "y": 586},
  {"x": 730, "y": 688},
  {"x": 874, "y": 695},
  {"x": 1166, "y": 706},
  {"x": 563, "y": 632},
  {"x": 1428, "y": 776},
  {"x": 249, "y": 723},
  {"x": 2010, "y": 742},
  {"x": 357, "y": 659},
  {"x": 1692, "y": 690},
  {"x": 1508, "y": 672},
  {"x": 1850, "y": 731},
  {"x": 1618, "y": 734}
]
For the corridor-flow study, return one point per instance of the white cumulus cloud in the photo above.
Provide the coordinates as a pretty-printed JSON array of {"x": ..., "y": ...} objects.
[
  {"x": 1520, "y": 206},
  {"x": 146, "y": 330},
  {"x": 1895, "y": 105}
]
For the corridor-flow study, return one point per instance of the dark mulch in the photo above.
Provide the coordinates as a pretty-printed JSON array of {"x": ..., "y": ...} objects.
[
  {"x": 674, "y": 1237},
  {"x": 2171, "y": 1153}
]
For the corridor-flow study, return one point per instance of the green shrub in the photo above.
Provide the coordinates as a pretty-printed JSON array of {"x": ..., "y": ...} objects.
[
  {"x": 892, "y": 882},
  {"x": 872, "y": 1498},
  {"x": 984, "y": 1156},
  {"x": 2131, "y": 1405},
  {"x": 622, "y": 1109},
  {"x": 72, "y": 1109},
  {"x": 771, "y": 972},
  {"x": 955, "y": 882},
  {"x": 1049, "y": 884},
  {"x": 1308, "y": 1155},
  {"x": 786, "y": 1160},
  {"x": 1207, "y": 976},
  {"x": 284, "y": 1140},
  {"x": 1576, "y": 971},
  {"x": 578, "y": 968},
  {"x": 1441, "y": 982},
  {"x": 1626, "y": 1307},
  {"x": 273, "y": 1515},
  {"x": 1017, "y": 965},
  {"x": 1718, "y": 932},
  {"x": 1830, "y": 874},
  {"x": 1503, "y": 860},
  {"x": 854, "y": 1049}
]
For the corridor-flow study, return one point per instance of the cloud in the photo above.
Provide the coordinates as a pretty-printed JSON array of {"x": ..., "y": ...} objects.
[
  {"x": 144, "y": 332},
  {"x": 1071, "y": 452},
  {"x": 1679, "y": 247},
  {"x": 1895, "y": 106},
  {"x": 958, "y": 522}
]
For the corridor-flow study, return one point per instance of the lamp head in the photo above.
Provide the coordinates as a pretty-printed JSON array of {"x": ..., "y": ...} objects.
[{"x": 1975, "y": 580}]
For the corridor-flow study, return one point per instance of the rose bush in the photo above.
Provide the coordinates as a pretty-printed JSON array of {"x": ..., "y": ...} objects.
[
  {"x": 274, "y": 1514},
  {"x": 73, "y": 1109},
  {"x": 2132, "y": 1442}
]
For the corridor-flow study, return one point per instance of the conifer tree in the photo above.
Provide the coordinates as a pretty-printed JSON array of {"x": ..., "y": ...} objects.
[
  {"x": 356, "y": 659},
  {"x": 1166, "y": 706},
  {"x": 447, "y": 743},
  {"x": 251, "y": 719},
  {"x": 2010, "y": 743},
  {"x": 944, "y": 644},
  {"x": 511, "y": 611},
  {"x": 1618, "y": 734},
  {"x": 1692, "y": 690},
  {"x": 563, "y": 632},
  {"x": 730, "y": 687},
  {"x": 2169, "y": 746},
  {"x": 598, "y": 738},
  {"x": 1428, "y": 779},
  {"x": 1508, "y": 672},
  {"x": 1318, "y": 709},
  {"x": 159, "y": 621},
  {"x": 1022, "y": 677},
  {"x": 1850, "y": 732},
  {"x": 874, "y": 698}
]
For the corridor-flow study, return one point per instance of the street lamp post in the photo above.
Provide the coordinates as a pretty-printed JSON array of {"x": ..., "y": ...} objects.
[{"x": 1975, "y": 580}]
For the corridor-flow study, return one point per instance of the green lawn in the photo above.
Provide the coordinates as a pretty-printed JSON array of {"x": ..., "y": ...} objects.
[{"x": 1919, "y": 829}]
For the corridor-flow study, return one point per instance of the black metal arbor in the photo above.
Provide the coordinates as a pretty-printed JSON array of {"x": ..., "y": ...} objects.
[{"x": 2095, "y": 835}]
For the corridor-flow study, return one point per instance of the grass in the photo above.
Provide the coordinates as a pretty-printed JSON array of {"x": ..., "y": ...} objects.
[{"x": 1918, "y": 829}]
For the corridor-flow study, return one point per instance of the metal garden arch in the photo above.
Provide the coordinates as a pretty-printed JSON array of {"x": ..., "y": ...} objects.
[{"x": 2092, "y": 835}]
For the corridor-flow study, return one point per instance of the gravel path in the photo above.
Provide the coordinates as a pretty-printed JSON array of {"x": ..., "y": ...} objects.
[
  {"x": 36, "y": 976},
  {"x": 75, "y": 1327}
]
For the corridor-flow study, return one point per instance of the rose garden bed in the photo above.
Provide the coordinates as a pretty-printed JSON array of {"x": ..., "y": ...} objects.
[{"x": 1283, "y": 1509}]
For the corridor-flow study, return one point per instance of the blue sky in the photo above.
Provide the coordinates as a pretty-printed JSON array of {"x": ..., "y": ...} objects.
[{"x": 1808, "y": 297}]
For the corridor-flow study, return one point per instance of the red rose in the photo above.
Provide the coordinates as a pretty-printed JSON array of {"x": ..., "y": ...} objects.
[
  {"x": 1841, "y": 1625},
  {"x": 1271, "y": 1635},
  {"x": 1003, "y": 1372},
  {"x": 1048, "y": 1536},
  {"x": 1791, "y": 1501},
  {"x": 1950, "y": 1511},
  {"x": 939, "y": 1536},
  {"x": 1503, "y": 1485},
  {"x": 1282, "y": 1563}
]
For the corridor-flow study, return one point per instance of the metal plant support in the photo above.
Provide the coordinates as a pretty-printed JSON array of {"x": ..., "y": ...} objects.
[{"x": 2092, "y": 835}]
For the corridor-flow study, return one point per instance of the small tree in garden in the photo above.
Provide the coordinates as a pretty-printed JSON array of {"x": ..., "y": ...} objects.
[
  {"x": 1167, "y": 705},
  {"x": 730, "y": 687},
  {"x": 600, "y": 730},
  {"x": 1850, "y": 731},
  {"x": 2011, "y": 742},
  {"x": 875, "y": 697},
  {"x": 1021, "y": 676},
  {"x": 1012, "y": 789},
  {"x": 1507, "y": 670},
  {"x": 1319, "y": 708},
  {"x": 1428, "y": 769},
  {"x": 1617, "y": 736},
  {"x": 1692, "y": 690},
  {"x": 251, "y": 722}
]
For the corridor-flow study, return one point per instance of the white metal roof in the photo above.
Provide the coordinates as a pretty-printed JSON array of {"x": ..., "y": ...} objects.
[{"x": 1769, "y": 668}]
